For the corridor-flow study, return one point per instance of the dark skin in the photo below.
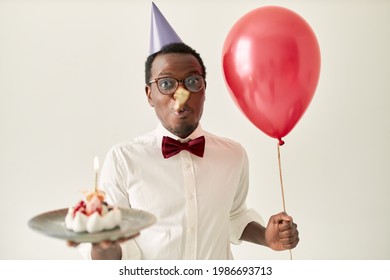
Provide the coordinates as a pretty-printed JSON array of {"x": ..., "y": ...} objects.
[
  {"x": 183, "y": 122},
  {"x": 281, "y": 232}
]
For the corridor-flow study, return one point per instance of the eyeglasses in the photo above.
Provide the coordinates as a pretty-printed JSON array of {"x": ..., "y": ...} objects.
[{"x": 168, "y": 85}]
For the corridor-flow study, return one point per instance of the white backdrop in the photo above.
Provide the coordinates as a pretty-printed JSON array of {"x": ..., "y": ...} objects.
[{"x": 72, "y": 85}]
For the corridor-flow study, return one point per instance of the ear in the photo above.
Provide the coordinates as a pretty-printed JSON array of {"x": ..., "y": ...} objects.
[
  {"x": 148, "y": 93},
  {"x": 205, "y": 86}
]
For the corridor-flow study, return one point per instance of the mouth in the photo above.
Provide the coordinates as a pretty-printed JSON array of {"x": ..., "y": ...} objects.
[{"x": 182, "y": 112}]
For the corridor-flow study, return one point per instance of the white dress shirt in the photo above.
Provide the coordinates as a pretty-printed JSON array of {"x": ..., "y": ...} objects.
[{"x": 199, "y": 202}]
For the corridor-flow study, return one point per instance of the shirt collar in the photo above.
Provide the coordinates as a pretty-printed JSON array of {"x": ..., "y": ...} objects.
[{"x": 162, "y": 131}]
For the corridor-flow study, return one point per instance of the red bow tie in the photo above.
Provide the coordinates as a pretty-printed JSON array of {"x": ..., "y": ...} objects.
[{"x": 171, "y": 147}]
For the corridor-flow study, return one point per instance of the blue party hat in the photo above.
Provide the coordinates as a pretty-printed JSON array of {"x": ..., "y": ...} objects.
[{"x": 161, "y": 32}]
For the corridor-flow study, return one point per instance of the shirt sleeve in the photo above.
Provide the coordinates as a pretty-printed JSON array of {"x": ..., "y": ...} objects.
[
  {"x": 240, "y": 216},
  {"x": 113, "y": 179},
  {"x": 113, "y": 183}
]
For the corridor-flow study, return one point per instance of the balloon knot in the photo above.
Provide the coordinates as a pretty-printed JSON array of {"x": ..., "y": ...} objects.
[{"x": 281, "y": 142}]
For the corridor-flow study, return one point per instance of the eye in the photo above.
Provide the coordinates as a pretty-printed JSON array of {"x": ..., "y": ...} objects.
[
  {"x": 194, "y": 82},
  {"x": 166, "y": 83}
]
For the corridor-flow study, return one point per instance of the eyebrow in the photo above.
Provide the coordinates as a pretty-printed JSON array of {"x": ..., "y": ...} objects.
[
  {"x": 164, "y": 74},
  {"x": 170, "y": 74}
]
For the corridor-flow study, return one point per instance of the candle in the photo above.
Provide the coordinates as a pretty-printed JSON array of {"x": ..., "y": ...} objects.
[{"x": 96, "y": 167}]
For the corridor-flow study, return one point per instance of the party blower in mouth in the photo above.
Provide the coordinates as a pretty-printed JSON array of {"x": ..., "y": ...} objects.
[{"x": 181, "y": 96}]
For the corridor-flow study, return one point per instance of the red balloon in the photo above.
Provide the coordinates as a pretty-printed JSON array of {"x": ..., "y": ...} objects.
[{"x": 271, "y": 64}]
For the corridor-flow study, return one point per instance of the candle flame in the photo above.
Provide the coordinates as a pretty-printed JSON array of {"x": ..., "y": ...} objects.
[{"x": 96, "y": 163}]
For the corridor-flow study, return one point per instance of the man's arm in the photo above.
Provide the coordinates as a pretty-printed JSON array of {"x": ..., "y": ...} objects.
[{"x": 280, "y": 234}]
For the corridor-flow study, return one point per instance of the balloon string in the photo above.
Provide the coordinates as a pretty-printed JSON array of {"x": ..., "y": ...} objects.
[
  {"x": 281, "y": 182},
  {"x": 281, "y": 178}
]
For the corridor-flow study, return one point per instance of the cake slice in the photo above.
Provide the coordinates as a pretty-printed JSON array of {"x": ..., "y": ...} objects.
[{"x": 92, "y": 214}]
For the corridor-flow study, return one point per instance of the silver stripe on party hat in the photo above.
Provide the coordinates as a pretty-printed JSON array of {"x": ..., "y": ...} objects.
[{"x": 161, "y": 32}]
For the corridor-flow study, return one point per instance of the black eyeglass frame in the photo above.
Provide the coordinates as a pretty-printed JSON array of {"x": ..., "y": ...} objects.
[{"x": 183, "y": 82}]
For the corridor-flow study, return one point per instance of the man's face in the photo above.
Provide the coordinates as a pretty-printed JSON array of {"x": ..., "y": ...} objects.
[{"x": 184, "y": 121}]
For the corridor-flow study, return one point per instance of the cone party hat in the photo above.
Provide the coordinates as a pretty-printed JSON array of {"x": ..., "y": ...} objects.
[{"x": 161, "y": 32}]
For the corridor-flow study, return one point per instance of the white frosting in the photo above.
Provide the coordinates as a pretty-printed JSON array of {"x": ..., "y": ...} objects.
[{"x": 94, "y": 222}]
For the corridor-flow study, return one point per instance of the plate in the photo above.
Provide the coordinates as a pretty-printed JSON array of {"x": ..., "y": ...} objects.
[{"x": 53, "y": 224}]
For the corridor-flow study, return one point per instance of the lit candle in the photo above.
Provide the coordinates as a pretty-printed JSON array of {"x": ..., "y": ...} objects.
[{"x": 96, "y": 167}]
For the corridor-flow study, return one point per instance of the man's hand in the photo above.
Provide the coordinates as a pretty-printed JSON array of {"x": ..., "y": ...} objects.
[
  {"x": 281, "y": 232},
  {"x": 106, "y": 249}
]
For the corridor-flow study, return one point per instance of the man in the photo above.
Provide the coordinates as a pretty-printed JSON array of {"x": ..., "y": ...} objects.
[{"x": 198, "y": 197}]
